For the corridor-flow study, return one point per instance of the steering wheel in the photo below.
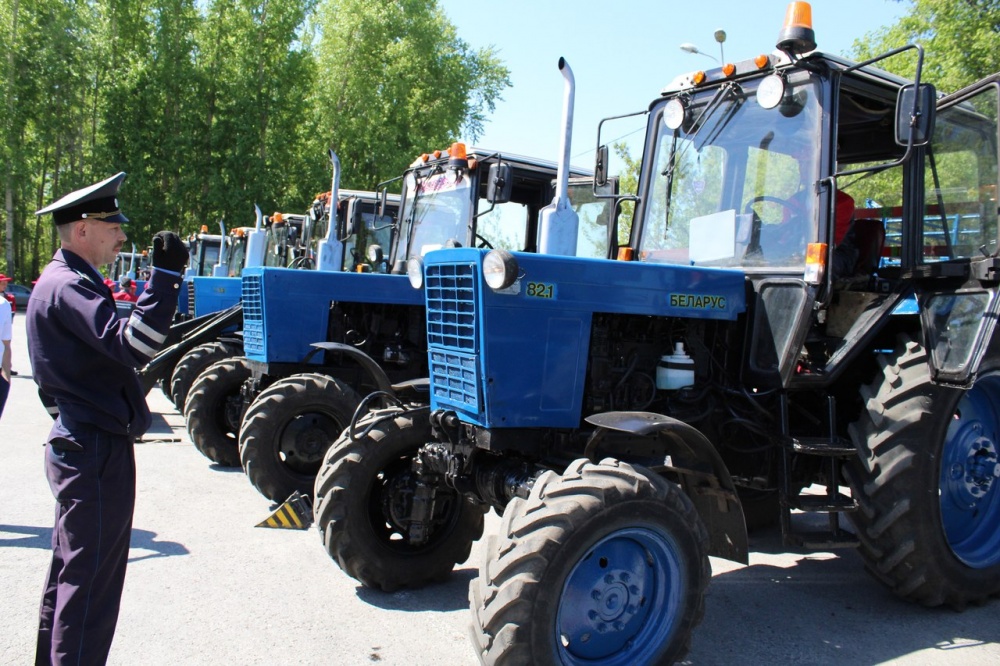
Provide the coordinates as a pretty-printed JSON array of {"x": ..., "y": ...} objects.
[
  {"x": 792, "y": 207},
  {"x": 483, "y": 242},
  {"x": 775, "y": 240}
]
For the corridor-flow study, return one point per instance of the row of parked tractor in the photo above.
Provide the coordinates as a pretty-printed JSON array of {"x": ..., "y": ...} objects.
[{"x": 796, "y": 317}]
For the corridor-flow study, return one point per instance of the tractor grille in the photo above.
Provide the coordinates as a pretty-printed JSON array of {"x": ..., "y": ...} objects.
[
  {"x": 253, "y": 315},
  {"x": 190, "y": 287},
  {"x": 451, "y": 334}
]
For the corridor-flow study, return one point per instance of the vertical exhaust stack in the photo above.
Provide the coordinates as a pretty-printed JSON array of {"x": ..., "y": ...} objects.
[
  {"x": 331, "y": 249},
  {"x": 256, "y": 241},
  {"x": 559, "y": 222},
  {"x": 131, "y": 265},
  {"x": 221, "y": 268}
]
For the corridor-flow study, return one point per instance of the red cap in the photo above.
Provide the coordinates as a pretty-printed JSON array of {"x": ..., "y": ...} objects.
[
  {"x": 109, "y": 282},
  {"x": 4, "y": 278}
]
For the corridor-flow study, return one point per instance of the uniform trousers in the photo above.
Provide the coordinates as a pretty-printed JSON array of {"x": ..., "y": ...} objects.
[{"x": 92, "y": 475}]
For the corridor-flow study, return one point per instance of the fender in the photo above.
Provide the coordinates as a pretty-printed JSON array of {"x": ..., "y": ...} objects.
[
  {"x": 373, "y": 369},
  {"x": 670, "y": 446}
]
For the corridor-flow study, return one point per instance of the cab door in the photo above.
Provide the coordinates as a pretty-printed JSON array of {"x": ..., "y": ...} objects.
[{"x": 957, "y": 272}]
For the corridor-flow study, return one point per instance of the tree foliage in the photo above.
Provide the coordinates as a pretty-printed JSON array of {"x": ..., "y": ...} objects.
[
  {"x": 961, "y": 41},
  {"x": 428, "y": 85},
  {"x": 212, "y": 106}
]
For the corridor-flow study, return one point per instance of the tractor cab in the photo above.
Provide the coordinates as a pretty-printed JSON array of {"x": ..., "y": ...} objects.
[
  {"x": 826, "y": 183},
  {"x": 478, "y": 198}
]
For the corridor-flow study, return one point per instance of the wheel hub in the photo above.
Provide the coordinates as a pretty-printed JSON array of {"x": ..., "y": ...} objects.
[
  {"x": 305, "y": 440},
  {"x": 615, "y": 595},
  {"x": 970, "y": 477},
  {"x": 616, "y": 601},
  {"x": 974, "y": 470}
]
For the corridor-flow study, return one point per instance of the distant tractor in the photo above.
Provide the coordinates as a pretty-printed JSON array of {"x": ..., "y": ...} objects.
[
  {"x": 802, "y": 322},
  {"x": 316, "y": 343}
]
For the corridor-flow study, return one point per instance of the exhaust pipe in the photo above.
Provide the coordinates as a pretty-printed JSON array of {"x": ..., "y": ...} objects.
[
  {"x": 559, "y": 222},
  {"x": 331, "y": 249}
]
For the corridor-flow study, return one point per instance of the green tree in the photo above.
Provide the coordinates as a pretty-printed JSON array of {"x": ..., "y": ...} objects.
[
  {"x": 396, "y": 81},
  {"x": 961, "y": 39}
]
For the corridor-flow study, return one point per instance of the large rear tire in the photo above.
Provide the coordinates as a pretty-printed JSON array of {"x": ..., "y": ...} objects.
[
  {"x": 213, "y": 410},
  {"x": 192, "y": 364},
  {"x": 363, "y": 499},
  {"x": 927, "y": 482},
  {"x": 288, "y": 429},
  {"x": 603, "y": 564}
]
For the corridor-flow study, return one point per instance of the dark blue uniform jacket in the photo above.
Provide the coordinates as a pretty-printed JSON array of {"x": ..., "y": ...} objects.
[{"x": 83, "y": 356}]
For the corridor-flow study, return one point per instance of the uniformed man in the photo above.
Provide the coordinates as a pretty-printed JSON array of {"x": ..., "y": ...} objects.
[{"x": 84, "y": 360}]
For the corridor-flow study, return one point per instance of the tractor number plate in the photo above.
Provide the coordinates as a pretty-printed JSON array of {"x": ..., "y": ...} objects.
[{"x": 540, "y": 290}]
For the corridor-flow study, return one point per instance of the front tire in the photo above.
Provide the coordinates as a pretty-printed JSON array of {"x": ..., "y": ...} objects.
[
  {"x": 603, "y": 564},
  {"x": 213, "y": 410},
  {"x": 288, "y": 429},
  {"x": 191, "y": 365},
  {"x": 927, "y": 482},
  {"x": 363, "y": 498}
]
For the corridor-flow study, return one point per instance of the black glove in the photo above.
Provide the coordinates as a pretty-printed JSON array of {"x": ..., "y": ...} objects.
[{"x": 169, "y": 252}]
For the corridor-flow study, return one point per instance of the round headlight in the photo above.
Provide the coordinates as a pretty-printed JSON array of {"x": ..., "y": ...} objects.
[
  {"x": 415, "y": 272},
  {"x": 673, "y": 113},
  {"x": 770, "y": 91},
  {"x": 375, "y": 254},
  {"x": 499, "y": 269}
]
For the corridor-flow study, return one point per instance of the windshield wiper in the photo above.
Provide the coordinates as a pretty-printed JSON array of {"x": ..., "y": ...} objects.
[{"x": 731, "y": 92}]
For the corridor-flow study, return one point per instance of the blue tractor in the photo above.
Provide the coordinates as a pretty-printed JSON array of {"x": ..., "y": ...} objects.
[
  {"x": 765, "y": 350},
  {"x": 212, "y": 373},
  {"x": 316, "y": 343}
]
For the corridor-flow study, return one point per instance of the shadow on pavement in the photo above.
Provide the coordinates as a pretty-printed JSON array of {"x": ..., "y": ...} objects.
[
  {"x": 41, "y": 538},
  {"x": 146, "y": 540},
  {"x": 451, "y": 595},
  {"x": 28, "y": 537}
]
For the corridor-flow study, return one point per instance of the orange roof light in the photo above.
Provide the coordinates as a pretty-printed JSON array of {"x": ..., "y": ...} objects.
[
  {"x": 277, "y": 217},
  {"x": 799, "y": 15},
  {"x": 797, "y": 36},
  {"x": 729, "y": 69},
  {"x": 698, "y": 78},
  {"x": 456, "y": 156},
  {"x": 204, "y": 228},
  {"x": 625, "y": 254},
  {"x": 761, "y": 61}
]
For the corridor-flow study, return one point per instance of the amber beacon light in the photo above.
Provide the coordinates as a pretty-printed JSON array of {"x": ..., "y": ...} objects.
[{"x": 797, "y": 36}]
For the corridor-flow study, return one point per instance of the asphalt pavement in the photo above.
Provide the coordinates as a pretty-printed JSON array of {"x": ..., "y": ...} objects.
[{"x": 205, "y": 586}]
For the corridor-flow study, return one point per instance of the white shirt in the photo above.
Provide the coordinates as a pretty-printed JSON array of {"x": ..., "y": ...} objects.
[{"x": 5, "y": 319}]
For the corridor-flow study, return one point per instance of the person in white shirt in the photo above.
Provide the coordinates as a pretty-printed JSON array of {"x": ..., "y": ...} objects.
[{"x": 5, "y": 335}]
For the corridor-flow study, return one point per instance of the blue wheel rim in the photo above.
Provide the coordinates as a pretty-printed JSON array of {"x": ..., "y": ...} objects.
[
  {"x": 621, "y": 602},
  {"x": 970, "y": 476}
]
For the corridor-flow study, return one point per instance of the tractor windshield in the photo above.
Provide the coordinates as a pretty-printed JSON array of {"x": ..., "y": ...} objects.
[
  {"x": 237, "y": 255},
  {"x": 439, "y": 208},
  {"x": 734, "y": 184}
]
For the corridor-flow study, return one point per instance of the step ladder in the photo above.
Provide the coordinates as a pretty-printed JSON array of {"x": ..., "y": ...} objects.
[{"x": 834, "y": 451}]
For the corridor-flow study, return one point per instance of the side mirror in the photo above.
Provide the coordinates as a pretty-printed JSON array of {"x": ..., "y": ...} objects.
[
  {"x": 352, "y": 218},
  {"x": 383, "y": 201},
  {"x": 919, "y": 125},
  {"x": 500, "y": 185},
  {"x": 601, "y": 166}
]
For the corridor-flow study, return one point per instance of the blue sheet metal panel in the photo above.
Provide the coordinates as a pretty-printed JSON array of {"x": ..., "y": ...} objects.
[
  {"x": 182, "y": 296},
  {"x": 598, "y": 285},
  {"x": 531, "y": 344},
  {"x": 214, "y": 294},
  {"x": 292, "y": 309}
]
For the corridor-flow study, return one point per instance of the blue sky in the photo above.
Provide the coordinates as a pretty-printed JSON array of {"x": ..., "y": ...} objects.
[{"x": 622, "y": 52}]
